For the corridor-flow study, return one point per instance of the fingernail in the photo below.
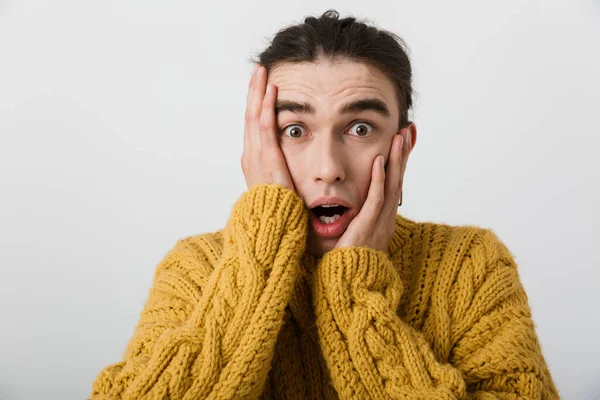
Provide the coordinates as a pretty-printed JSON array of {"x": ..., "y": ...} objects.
[
  {"x": 255, "y": 68},
  {"x": 381, "y": 161},
  {"x": 269, "y": 87}
]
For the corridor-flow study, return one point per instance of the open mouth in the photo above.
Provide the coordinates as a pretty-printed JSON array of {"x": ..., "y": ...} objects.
[{"x": 329, "y": 214}]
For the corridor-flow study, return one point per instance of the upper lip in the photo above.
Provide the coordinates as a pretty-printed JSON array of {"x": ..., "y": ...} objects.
[{"x": 327, "y": 200}]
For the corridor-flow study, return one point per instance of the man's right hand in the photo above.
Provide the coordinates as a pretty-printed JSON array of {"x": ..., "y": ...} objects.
[{"x": 262, "y": 159}]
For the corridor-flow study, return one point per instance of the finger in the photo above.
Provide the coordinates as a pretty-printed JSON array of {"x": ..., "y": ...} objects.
[
  {"x": 254, "y": 106},
  {"x": 254, "y": 82},
  {"x": 246, "y": 134},
  {"x": 268, "y": 128},
  {"x": 251, "y": 82},
  {"x": 405, "y": 153},
  {"x": 369, "y": 213},
  {"x": 247, "y": 125},
  {"x": 393, "y": 176}
]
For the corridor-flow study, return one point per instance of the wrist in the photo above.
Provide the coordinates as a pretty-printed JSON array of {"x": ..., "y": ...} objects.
[
  {"x": 265, "y": 218},
  {"x": 358, "y": 266}
]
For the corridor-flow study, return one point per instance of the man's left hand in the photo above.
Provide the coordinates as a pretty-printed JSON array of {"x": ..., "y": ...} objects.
[{"x": 375, "y": 224}]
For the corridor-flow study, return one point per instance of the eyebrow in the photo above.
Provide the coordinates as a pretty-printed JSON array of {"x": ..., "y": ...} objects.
[{"x": 355, "y": 106}]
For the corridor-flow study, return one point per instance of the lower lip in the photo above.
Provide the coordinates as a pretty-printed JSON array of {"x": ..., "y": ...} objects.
[{"x": 332, "y": 230}]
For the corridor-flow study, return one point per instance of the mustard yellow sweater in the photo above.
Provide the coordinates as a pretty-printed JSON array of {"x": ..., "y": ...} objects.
[{"x": 245, "y": 312}]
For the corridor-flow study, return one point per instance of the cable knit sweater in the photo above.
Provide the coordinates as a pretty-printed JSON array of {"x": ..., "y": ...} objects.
[{"x": 245, "y": 312}]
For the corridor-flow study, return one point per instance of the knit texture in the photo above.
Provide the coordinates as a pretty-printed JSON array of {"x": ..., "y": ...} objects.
[{"x": 245, "y": 312}]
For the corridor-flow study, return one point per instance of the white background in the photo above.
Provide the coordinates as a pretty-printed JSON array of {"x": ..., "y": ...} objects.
[{"x": 121, "y": 131}]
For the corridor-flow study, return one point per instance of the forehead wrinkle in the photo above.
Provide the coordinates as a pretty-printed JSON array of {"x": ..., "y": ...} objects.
[
  {"x": 289, "y": 82},
  {"x": 372, "y": 91},
  {"x": 331, "y": 95},
  {"x": 362, "y": 91}
]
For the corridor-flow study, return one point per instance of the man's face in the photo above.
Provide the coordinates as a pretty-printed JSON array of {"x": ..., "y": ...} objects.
[{"x": 329, "y": 151}]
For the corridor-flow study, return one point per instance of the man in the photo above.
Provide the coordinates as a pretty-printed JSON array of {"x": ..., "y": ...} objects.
[{"x": 316, "y": 288}]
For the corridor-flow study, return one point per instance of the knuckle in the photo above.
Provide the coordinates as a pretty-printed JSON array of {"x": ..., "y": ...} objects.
[
  {"x": 251, "y": 117},
  {"x": 264, "y": 124},
  {"x": 252, "y": 82},
  {"x": 244, "y": 161}
]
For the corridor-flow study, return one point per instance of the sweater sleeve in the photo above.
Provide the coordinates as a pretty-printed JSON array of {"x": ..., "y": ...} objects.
[
  {"x": 216, "y": 340},
  {"x": 372, "y": 353}
]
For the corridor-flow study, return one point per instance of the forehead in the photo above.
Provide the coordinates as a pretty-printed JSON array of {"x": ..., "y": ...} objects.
[{"x": 333, "y": 82}]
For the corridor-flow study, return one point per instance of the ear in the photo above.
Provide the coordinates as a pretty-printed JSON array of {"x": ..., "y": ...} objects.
[{"x": 412, "y": 132}]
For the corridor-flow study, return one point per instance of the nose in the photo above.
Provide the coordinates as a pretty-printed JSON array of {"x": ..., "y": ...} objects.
[{"x": 328, "y": 161}]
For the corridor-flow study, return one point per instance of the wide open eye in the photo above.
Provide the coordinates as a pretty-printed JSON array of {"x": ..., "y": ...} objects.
[
  {"x": 361, "y": 129},
  {"x": 294, "y": 131}
]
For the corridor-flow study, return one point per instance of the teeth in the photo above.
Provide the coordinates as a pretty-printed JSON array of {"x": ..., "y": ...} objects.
[
  {"x": 330, "y": 205},
  {"x": 329, "y": 220}
]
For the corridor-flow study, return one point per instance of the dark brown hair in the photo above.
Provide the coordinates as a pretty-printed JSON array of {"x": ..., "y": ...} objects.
[{"x": 330, "y": 37}]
